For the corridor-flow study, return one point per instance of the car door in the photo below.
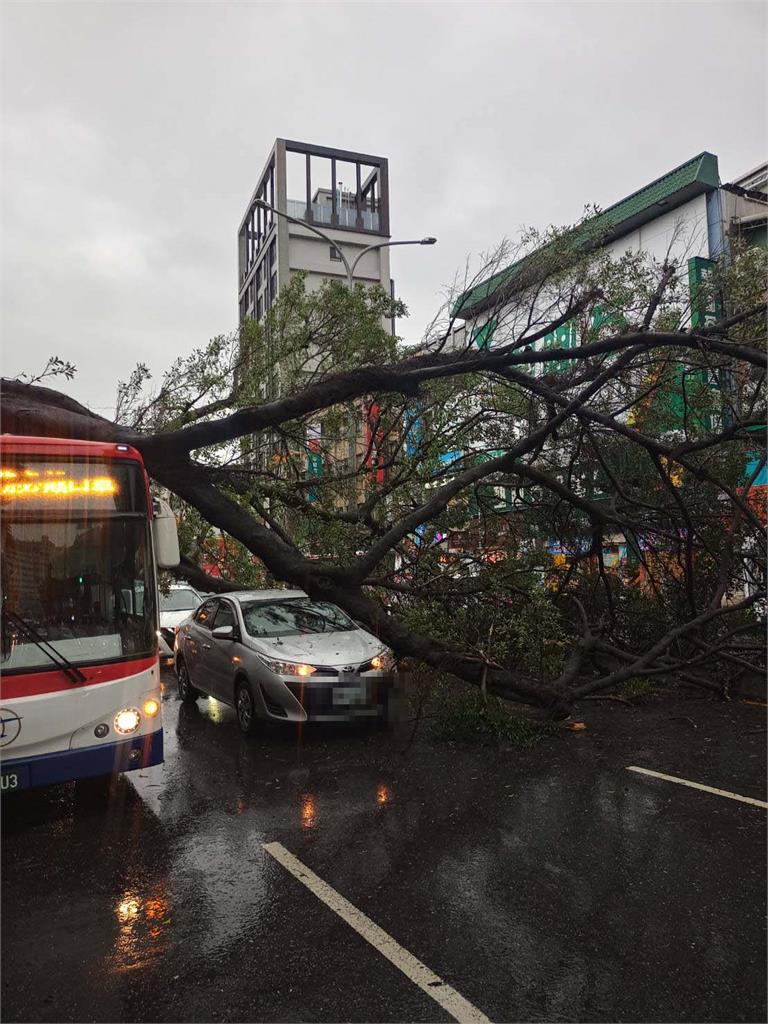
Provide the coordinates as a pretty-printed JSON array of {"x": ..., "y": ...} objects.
[
  {"x": 218, "y": 657},
  {"x": 197, "y": 643}
]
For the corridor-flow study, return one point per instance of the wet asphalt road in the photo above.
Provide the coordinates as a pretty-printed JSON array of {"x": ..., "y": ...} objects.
[{"x": 549, "y": 884}]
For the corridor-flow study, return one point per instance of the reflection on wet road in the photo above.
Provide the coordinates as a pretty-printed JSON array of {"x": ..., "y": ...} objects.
[
  {"x": 142, "y": 930},
  {"x": 544, "y": 885}
]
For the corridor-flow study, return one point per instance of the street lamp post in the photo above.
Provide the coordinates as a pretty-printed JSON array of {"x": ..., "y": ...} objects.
[{"x": 350, "y": 269}]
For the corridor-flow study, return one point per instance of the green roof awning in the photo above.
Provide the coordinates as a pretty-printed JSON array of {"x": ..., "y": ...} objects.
[{"x": 693, "y": 178}]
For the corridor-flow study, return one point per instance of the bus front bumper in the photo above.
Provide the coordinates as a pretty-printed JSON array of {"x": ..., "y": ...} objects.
[{"x": 65, "y": 765}]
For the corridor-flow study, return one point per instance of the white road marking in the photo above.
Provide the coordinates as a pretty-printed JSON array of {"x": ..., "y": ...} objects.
[
  {"x": 698, "y": 785},
  {"x": 450, "y": 1000}
]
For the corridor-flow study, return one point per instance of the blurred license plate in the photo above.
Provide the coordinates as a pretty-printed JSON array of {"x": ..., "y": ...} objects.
[
  {"x": 14, "y": 779},
  {"x": 345, "y": 696}
]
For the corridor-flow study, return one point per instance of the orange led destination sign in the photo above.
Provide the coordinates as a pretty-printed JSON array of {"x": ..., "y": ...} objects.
[{"x": 53, "y": 484}]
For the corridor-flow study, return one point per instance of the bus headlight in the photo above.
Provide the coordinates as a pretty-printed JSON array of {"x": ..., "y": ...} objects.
[
  {"x": 150, "y": 707},
  {"x": 127, "y": 721}
]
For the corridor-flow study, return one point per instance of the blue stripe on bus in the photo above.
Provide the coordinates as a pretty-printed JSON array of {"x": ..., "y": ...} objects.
[{"x": 105, "y": 759}]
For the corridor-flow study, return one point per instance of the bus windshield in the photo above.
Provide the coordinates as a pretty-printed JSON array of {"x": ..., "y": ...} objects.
[{"x": 76, "y": 565}]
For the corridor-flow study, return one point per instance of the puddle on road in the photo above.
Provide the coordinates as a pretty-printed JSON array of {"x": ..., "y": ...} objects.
[{"x": 217, "y": 797}]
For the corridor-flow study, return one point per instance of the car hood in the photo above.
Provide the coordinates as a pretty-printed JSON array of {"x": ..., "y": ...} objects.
[
  {"x": 349, "y": 647},
  {"x": 169, "y": 619}
]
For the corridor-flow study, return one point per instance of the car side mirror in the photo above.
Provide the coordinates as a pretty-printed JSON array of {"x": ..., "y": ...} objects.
[{"x": 223, "y": 633}]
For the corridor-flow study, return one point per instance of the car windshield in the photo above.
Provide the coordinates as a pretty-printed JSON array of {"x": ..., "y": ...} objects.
[
  {"x": 179, "y": 601},
  {"x": 293, "y": 617}
]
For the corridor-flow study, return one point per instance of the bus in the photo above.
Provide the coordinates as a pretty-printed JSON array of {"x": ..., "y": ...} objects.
[{"x": 80, "y": 537}]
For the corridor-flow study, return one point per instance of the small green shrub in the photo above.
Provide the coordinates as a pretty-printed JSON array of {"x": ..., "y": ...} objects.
[
  {"x": 640, "y": 687},
  {"x": 468, "y": 719}
]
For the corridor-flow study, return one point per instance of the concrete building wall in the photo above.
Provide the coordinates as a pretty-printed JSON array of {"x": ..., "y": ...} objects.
[
  {"x": 678, "y": 234},
  {"x": 312, "y": 255},
  {"x": 745, "y": 207}
]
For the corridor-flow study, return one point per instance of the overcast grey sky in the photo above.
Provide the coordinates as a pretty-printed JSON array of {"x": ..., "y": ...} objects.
[{"x": 134, "y": 132}]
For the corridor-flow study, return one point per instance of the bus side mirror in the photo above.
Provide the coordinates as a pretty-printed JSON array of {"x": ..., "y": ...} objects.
[{"x": 165, "y": 535}]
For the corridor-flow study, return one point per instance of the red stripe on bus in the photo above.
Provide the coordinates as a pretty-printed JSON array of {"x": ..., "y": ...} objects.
[
  {"x": 30, "y": 684},
  {"x": 58, "y": 446}
]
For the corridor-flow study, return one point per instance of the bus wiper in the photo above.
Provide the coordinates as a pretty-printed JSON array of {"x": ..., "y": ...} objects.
[{"x": 72, "y": 672}]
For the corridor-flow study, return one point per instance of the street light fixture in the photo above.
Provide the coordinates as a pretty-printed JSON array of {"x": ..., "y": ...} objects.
[{"x": 350, "y": 269}]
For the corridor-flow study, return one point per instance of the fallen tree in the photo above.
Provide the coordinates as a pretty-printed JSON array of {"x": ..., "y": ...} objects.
[{"x": 572, "y": 459}]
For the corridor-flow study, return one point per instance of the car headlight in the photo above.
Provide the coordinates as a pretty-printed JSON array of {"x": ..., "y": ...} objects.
[
  {"x": 384, "y": 661},
  {"x": 288, "y": 668}
]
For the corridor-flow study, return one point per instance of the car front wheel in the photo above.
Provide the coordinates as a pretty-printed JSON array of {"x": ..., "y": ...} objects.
[
  {"x": 245, "y": 708},
  {"x": 187, "y": 693}
]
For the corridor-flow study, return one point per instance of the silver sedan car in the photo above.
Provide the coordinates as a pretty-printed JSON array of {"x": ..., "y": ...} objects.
[{"x": 278, "y": 655}]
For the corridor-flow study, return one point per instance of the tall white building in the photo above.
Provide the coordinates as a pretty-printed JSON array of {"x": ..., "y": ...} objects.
[{"x": 344, "y": 194}]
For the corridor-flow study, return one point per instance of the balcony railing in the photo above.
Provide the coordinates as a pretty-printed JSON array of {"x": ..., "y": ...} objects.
[{"x": 321, "y": 215}]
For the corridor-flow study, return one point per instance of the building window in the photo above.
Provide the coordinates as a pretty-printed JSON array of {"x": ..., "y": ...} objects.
[
  {"x": 258, "y": 277},
  {"x": 335, "y": 254},
  {"x": 272, "y": 252},
  {"x": 273, "y": 288},
  {"x": 259, "y": 308}
]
